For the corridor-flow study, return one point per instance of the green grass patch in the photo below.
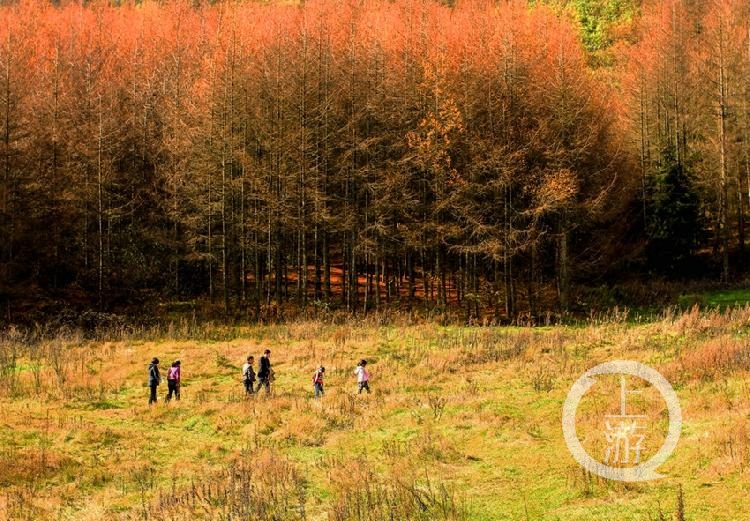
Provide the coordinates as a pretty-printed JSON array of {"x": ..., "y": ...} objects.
[{"x": 721, "y": 300}]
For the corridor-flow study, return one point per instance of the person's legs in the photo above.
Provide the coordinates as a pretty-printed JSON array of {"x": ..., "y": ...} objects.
[
  {"x": 177, "y": 391},
  {"x": 263, "y": 382},
  {"x": 318, "y": 390},
  {"x": 152, "y": 398},
  {"x": 170, "y": 389}
]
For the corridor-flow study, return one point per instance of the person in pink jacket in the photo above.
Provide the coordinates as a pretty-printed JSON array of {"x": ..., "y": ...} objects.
[
  {"x": 173, "y": 381},
  {"x": 363, "y": 377}
]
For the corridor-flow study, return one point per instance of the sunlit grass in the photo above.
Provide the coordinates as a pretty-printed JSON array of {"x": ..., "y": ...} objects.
[{"x": 463, "y": 423}]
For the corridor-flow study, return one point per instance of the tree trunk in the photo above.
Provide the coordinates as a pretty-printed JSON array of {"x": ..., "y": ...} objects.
[
  {"x": 326, "y": 267},
  {"x": 723, "y": 175},
  {"x": 100, "y": 204},
  {"x": 564, "y": 284}
]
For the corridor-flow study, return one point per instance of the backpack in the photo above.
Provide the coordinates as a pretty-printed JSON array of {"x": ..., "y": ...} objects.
[{"x": 317, "y": 378}]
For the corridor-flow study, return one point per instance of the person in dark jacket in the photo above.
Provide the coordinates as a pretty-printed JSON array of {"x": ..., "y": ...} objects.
[
  {"x": 265, "y": 372},
  {"x": 154, "y": 379}
]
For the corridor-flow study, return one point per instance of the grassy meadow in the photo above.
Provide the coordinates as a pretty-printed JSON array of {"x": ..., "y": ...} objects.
[{"x": 464, "y": 423}]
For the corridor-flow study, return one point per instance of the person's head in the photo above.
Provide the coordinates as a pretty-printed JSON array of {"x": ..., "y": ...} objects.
[
  {"x": 250, "y": 359},
  {"x": 267, "y": 352},
  {"x": 322, "y": 369},
  {"x": 155, "y": 361},
  {"x": 363, "y": 362},
  {"x": 176, "y": 363}
]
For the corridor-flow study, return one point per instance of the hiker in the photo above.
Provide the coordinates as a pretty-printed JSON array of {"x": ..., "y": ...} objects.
[
  {"x": 318, "y": 381},
  {"x": 248, "y": 374},
  {"x": 265, "y": 372},
  {"x": 363, "y": 377},
  {"x": 173, "y": 381},
  {"x": 154, "y": 379}
]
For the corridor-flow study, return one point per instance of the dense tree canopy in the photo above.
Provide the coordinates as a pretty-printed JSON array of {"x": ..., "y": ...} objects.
[{"x": 363, "y": 154}]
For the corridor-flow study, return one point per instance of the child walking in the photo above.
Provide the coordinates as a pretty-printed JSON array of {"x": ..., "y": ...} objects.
[
  {"x": 318, "y": 381},
  {"x": 248, "y": 375},
  {"x": 173, "y": 381},
  {"x": 363, "y": 377}
]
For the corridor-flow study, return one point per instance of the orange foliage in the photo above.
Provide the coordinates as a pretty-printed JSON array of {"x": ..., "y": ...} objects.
[{"x": 181, "y": 109}]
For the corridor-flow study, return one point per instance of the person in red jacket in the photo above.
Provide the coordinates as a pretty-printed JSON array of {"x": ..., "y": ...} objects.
[{"x": 318, "y": 381}]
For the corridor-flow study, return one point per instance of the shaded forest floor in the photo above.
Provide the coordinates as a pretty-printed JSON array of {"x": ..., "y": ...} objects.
[{"x": 463, "y": 423}]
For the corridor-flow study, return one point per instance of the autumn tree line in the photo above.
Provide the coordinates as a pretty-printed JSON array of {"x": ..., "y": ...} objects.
[{"x": 369, "y": 154}]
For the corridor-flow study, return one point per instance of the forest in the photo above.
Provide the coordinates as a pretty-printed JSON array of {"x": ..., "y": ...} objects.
[{"x": 490, "y": 157}]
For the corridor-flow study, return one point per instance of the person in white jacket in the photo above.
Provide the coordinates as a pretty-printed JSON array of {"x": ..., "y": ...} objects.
[{"x": 363, "y": 377}]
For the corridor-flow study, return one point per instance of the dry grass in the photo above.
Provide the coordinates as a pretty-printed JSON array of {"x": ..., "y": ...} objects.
[{"x": 463, "y": 423}]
